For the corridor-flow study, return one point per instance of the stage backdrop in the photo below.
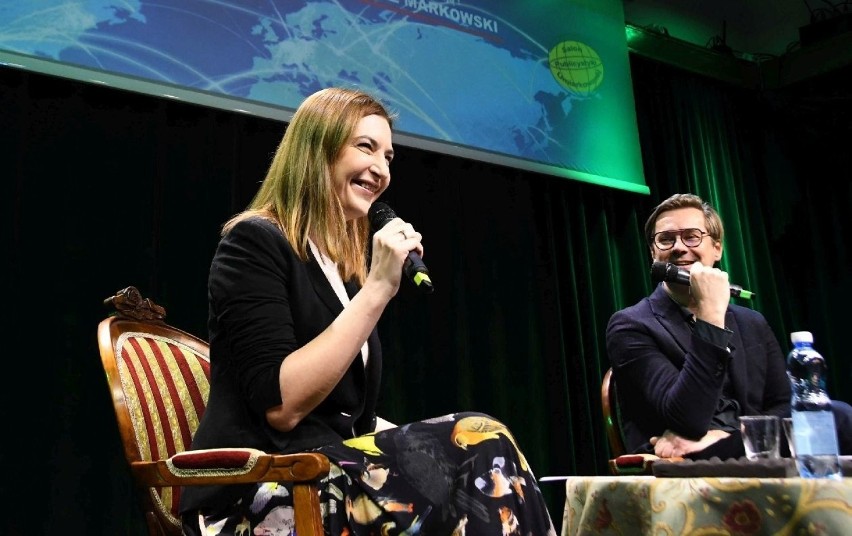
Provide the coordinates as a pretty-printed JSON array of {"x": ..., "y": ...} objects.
[{"x": 543, "y": 86}]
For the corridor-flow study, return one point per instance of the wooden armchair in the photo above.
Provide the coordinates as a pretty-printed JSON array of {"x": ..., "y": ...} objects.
[
  {"x": 621, "y": 463},
  {"x": 612, "y": 418},
  {"x": 159, "y": 378}
]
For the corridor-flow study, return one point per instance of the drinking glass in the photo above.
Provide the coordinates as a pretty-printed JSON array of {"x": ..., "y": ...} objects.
[
  {"x": 761, "y": 434},
  {"x": 787, "y": 424}
]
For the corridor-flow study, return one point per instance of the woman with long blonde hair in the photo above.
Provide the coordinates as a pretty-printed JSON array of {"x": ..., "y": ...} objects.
[{"x": 296, "y": 288}]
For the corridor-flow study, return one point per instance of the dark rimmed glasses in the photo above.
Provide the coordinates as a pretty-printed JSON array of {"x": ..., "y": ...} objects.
[{"x": 690, "y": 237}]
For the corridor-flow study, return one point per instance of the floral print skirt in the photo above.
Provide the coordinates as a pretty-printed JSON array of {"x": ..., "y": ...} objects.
[{"x": 458, "y": 474}]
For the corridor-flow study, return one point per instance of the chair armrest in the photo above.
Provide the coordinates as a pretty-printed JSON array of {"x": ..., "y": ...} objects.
[
  {"x": 632, "y": 464},
  {"x": 230, "y": 466},
  {"x": 637, "y": 464}
]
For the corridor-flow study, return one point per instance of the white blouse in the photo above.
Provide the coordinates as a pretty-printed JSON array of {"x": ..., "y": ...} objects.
[{"x": 329, "y": 268}]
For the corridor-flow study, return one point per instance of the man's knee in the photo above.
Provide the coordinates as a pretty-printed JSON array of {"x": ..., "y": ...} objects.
[{"x": 843, "y": 423}]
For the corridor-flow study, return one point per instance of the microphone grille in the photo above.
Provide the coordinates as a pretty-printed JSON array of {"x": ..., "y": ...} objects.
[
  {"x": 380, "y": 213},
  {"x": 658, "y": 271}
]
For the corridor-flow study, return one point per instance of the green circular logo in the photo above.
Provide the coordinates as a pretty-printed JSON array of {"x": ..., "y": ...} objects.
[{"x": 576, "y": 66}]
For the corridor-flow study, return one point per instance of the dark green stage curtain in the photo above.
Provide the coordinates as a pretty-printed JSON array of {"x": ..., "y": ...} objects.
[
  {"x": 105, "y": 188},
  {"x": 776, "y": 164}
]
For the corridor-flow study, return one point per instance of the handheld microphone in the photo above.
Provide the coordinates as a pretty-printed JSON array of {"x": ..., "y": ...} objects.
[
  {"x": 664, "y": 271},
  {"x": 380, "y": 214}
]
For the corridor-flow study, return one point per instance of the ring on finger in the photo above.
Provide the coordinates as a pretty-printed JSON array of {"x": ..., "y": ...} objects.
[{"x": 402, "y": 232}]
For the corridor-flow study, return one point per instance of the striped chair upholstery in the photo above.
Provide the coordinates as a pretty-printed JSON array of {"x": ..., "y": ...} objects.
[
  {"x": 166, "y": 384},
  {"x": 159, "y": 378}
]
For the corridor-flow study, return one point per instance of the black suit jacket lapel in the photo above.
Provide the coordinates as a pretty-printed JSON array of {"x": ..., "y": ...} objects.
[
  {"x": 322, "y": 287},
  {"x": 669, "y": 315}
]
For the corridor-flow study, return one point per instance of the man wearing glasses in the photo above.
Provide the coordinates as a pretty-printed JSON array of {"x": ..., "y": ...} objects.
[{"x": 687, "y": 362}]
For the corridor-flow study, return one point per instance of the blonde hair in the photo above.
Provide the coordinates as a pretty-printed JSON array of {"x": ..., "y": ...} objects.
[{"x": 297, "y": 193}]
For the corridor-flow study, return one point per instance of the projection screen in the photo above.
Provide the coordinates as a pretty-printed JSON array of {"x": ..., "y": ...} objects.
[{"x": 538, "y": 85}]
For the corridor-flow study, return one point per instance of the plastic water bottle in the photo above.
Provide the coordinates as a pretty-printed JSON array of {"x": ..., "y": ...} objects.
[{"x": 814, "y": 430}]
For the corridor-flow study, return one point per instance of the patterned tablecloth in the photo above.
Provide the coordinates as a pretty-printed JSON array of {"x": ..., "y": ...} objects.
[{"x": 625, "y": 505}]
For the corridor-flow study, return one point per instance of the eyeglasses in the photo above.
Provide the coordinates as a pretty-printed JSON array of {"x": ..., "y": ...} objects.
[{"x": 690, "y": 238}]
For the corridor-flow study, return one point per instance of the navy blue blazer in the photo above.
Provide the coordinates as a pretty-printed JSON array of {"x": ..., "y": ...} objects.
[
  {"x": 264, "y": 303},
  {"x": 669, "y": 378}
]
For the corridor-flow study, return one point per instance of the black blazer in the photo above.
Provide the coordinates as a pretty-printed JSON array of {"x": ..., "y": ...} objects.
[
  {"x": 668, "y": 378},
  {"x": 264, "y": 303}
]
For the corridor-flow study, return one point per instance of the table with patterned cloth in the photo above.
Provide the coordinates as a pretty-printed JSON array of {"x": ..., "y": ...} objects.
[{"x": 731, "y": 506}]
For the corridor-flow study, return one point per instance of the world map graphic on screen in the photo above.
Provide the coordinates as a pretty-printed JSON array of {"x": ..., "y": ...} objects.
[{"x": 540, "y": 85}]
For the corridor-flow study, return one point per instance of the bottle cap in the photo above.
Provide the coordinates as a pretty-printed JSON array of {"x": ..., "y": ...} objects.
[{"x": 801, "y": 336}]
